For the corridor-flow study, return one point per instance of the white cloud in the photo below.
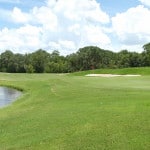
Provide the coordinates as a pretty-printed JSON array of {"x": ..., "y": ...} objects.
[
  {"x": 78, "y": 10},
  {"x": 95, "y": 35},
  {"x": 145, "y": 2},
  {"x": 132, "y": 27},
  {"x": 75, "y": 29},
  {"x": 67, "y": 44},
  {"x": 133, "y": 48},
  {"x": 45, "y": 17},
  {"x": 62, "y": 24},
  {"x": 19, "y": 17},
  {"x": 23, "y": 38}
]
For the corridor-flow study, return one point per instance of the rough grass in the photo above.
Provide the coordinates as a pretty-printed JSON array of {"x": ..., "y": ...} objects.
[{"x": 61, "y": 112}]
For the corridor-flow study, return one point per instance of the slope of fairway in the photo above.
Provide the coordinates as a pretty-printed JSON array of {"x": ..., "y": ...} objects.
[
  {"x": 61, "y": 112},
  {"x": 123, "y": 71}
]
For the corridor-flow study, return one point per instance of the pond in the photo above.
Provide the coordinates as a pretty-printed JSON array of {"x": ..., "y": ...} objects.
[{"x": 8, "y": 95}]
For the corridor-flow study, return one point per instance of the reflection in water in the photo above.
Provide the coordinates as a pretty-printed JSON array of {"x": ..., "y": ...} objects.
[{"x": 8, "y": 95}]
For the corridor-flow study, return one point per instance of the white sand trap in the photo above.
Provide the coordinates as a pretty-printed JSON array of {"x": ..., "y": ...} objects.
[{"x": 111, "y": 75}]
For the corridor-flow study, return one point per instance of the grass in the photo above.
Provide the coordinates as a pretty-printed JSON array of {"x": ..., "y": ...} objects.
[
  {"x": 123, "y": 71},
  {"x": 67, "y": 112}
]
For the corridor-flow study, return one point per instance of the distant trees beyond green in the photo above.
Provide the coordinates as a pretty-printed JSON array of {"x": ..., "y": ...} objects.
[{"x": 86, "y": 58}]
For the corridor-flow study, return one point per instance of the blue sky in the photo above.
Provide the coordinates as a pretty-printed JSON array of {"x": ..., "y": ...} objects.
[
  {"x": 117, "y": 6},
  {"x": 67, "y": 25}
]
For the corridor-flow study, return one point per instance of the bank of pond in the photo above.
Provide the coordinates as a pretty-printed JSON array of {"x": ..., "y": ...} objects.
[{"x": 8, "y": 95}]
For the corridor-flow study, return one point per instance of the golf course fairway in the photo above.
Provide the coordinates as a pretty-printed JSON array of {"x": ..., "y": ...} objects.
[{"x": 70, "y": 112}]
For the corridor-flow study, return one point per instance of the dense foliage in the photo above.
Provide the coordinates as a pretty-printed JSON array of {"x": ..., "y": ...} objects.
[{"x": 86, "y": 58}]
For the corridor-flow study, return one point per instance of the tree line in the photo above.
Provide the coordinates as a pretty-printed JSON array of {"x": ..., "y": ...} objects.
[{"x": 87, "y": 58}]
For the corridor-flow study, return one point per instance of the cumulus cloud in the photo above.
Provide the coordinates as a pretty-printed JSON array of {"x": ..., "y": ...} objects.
[
  {"x": 145, "y": 2},
  {"x": 78, "y": 10},
  {"x": 23, "y": 38},
  {"x": 60, "y": 24},
  {"x": 132, "y": 27},
  {"x": 96, "y": 35},
  {"x": 20, "y": 17},
  {"x": 45, "y": 17}
]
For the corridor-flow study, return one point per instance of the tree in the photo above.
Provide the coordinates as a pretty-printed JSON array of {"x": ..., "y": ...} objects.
[
  {"x": 6, "y": 61},
  {"x": 19, "y": 61},
  {"x": 123, "y": 59},
  {"x": 29, "y": 68},
  {"x": 89, "y": 57},
  {"x": 86, "y": 58},
  {"x": 146, "y": 54},
  {"x": 56, "y": 63},
  {"x": 135, "y": 59},
  {"x": 38, "y": 60},
  {"x": 72, "y": 60}
]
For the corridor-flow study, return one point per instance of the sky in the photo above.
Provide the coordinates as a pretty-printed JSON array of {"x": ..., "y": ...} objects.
[{"x": 67, "y": 25}]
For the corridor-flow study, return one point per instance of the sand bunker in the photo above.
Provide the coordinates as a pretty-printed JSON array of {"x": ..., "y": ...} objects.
[{"x": 111, "y": 75}]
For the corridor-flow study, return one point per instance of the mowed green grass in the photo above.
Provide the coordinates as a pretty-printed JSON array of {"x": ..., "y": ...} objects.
[
  {"x": 122, "y": 71},
  {"x": 63, "y": 112}
]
